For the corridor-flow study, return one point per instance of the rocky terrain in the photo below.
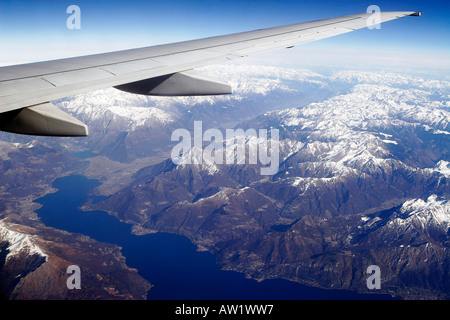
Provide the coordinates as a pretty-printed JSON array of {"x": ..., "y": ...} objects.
[
  {"x": 33, "y": 257},
  {"x": 34, "y": 263},
  {"x": 345, "y": 164},
  {"x": 363, "y": 176}
]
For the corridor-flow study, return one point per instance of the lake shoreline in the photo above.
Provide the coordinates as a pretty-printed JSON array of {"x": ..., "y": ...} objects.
[{"x": 175, "y": 267}]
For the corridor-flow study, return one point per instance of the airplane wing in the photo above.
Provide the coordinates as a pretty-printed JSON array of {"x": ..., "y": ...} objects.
[{"x": 26, "y": 90}]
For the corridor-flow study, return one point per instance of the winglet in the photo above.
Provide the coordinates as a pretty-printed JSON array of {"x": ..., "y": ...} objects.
[{"x": 416, "y": 14}]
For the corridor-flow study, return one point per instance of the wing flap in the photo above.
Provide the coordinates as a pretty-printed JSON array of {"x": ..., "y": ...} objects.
[
  {"x": 78, "y": 76},
  {"x": 299, "y": 39},
  {"x": 17, "y": 87},
  {"x": 132, "y": 66},
  {"x": 189, "y": 57}
]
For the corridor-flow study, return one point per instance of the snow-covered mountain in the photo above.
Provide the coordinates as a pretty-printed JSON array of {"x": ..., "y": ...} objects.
[
  {"x": 34, "y": 262},
  {"x": 260, "y": 81},
  {"x": 367, "y": 127},
  {"x": 134, "y": 110},
  {"x": 425, "y": 215},
  {"x": 18, "y": 244},
  {"x": 347, "y": 162},
  {"x": 369, "y": 107},
  {"x": 363, "y": 174},
  {"x": 138, "y": 110},
  {"x": 390, "y": 79},
  {"x": 124, "y": 122},
  {"x": 369, "y": 110}
]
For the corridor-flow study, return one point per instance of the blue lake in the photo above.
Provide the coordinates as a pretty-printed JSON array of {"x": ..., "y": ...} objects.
[{"x": 169, "y": 262}]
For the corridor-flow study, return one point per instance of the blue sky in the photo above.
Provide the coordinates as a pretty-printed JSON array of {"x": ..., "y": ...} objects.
[{"x": 36, "y": 30}]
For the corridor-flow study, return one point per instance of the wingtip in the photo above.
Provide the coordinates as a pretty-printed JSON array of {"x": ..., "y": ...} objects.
[{"x": 416, "y": 14}]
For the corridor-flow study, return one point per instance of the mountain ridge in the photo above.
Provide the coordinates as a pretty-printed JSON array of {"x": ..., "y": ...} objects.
[{"x": 360, "y": 152}]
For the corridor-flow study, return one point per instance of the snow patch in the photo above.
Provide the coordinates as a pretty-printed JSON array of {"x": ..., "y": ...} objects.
[
  {"x": 19, "y": 242},
  {"x": 433, "y": 211}
]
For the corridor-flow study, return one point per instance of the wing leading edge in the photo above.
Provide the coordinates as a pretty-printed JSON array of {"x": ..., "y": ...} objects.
[{"x": 166, "y": 70}]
